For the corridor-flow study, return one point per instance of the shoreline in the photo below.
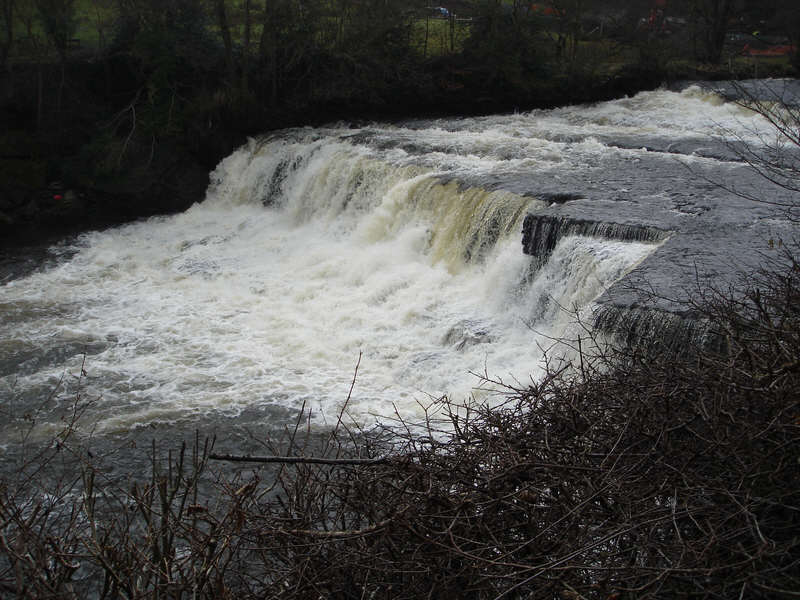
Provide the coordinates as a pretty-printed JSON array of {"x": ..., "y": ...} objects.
[{"x": 177, "y": 176}]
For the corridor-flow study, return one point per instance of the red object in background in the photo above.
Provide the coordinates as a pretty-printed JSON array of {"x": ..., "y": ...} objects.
[
  {"x": 771, "y": 51},
  {"x": 545, "y": 10},
  {"x": 58, "y": 197}
]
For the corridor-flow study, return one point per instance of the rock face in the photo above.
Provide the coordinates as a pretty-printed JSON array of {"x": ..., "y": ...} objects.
[
  {"x": 634, "y": 326},
  {"x": 541, "y": 233},
  {"x": 467, "y": 333},
  {"x": 713, "y": 219},
  {"x": 705, "y": 235}
]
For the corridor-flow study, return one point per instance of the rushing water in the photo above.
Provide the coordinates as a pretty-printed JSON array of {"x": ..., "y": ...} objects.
[{"x": 398, "y": 246}]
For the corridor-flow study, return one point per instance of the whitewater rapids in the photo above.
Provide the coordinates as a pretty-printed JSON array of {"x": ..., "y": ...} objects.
[{"x": 397, "y": 246}]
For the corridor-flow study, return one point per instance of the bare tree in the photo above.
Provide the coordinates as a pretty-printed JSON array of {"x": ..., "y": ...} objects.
[
  {"x": 7, "y": 16},
  {"x": 60, "y": 23},
  {"x": 710, "y": 19},
  {"x": 38, "y": 48},
  {"x": 246, "y": 48},
  {"x": 103, "y": 17},
  {"x": 569, "y": 15},
  {"x": 225, "y": 32},
  {"x": 772, "y": 153}
]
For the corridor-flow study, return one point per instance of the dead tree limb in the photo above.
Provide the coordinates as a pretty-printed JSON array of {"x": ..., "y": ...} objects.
[{"x": 304, "y": 460}]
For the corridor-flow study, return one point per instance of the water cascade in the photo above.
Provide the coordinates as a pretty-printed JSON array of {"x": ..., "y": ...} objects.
[
  {"x": 541, "y": 233},
  {"x": 397, "y": 245}
]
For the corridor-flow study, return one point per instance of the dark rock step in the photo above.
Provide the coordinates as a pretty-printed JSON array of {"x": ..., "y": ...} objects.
[{"x": 541, "y": 233}]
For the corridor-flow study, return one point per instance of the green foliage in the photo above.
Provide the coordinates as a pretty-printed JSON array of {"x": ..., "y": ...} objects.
[
  {"x": 170, "y": 49},
  {"x": 507, "y": 43},
  {"x": 59, "y": 21},
  {"x": 165, "y": 79},
  {"x": 165, "y": 35},
  {"x": 335, "y": 52}
]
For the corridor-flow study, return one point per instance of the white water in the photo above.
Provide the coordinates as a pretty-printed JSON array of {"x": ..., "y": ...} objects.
[{"x": 361, "y": 252}]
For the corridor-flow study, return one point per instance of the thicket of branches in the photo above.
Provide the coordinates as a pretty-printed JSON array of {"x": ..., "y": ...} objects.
[{"x": 621, "y": 475}]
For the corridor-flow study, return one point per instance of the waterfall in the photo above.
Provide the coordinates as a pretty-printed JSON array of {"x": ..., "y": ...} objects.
[
  {"x": 307, "y": 252},
  {"x": 428, "y": 253},
  {"x": 541, "y": 233},
  {"x": 637, "y": 327}
]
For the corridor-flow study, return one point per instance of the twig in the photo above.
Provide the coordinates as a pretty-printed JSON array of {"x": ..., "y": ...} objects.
[{"x": 303, "y": 460}]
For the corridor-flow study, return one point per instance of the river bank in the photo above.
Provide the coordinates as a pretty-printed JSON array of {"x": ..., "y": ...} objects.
[
  {"x": 399, "y": 241},
  {"x": 90, "y": 171},
  {"x": 381, "y": 279}
]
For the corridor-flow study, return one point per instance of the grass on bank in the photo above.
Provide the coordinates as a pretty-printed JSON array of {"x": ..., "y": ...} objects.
[{"x": 96, "y": 21}]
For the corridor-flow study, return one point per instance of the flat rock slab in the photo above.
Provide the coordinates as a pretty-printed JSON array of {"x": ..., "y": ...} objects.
[
  {"x": 712, "y": 235},
  {"x": 668, "y": 160}
]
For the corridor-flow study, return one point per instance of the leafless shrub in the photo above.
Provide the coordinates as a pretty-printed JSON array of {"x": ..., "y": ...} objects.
[
  {"x": 772, "y": 154},
  {"x": 625, "y": 475}
]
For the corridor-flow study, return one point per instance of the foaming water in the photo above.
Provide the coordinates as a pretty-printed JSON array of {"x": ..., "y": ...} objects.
[{"x": 317, "y": 249}]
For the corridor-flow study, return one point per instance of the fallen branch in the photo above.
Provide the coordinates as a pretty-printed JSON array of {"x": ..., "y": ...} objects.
[
  {"x": 303, "y": 460},
  {"x": 344, "y": 533}
]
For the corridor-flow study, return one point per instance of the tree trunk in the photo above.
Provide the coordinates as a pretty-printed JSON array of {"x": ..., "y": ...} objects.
[
  {"x": 262, "y": 41},
  {"x": 427, "y": 31},
  {"x": 711, "y": 25},
  {"x": 7, "y": 7},
  {"x": 268, "y": 47},
  {"x": 722, "y": 11},
  {"x": 39, "y": 96},
  {"x": 60, "y": 98},
  {"x": 452, "y": 33},
  {"x": 246, "y": 48},
  {"x": 225, "y": 32}
]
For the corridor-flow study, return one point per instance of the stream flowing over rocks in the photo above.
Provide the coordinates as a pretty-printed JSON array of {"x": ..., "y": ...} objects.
[{"x": 432, "y": 251}]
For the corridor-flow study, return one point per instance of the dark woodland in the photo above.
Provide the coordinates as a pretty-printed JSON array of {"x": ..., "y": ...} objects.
[{"x": 127, "y": 104}]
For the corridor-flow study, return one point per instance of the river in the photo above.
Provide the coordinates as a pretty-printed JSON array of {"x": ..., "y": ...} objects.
[{"x": 396, "y": 248}]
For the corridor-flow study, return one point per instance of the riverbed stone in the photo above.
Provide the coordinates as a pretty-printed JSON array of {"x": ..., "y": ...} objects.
[{"x": 720, "y": 221}]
